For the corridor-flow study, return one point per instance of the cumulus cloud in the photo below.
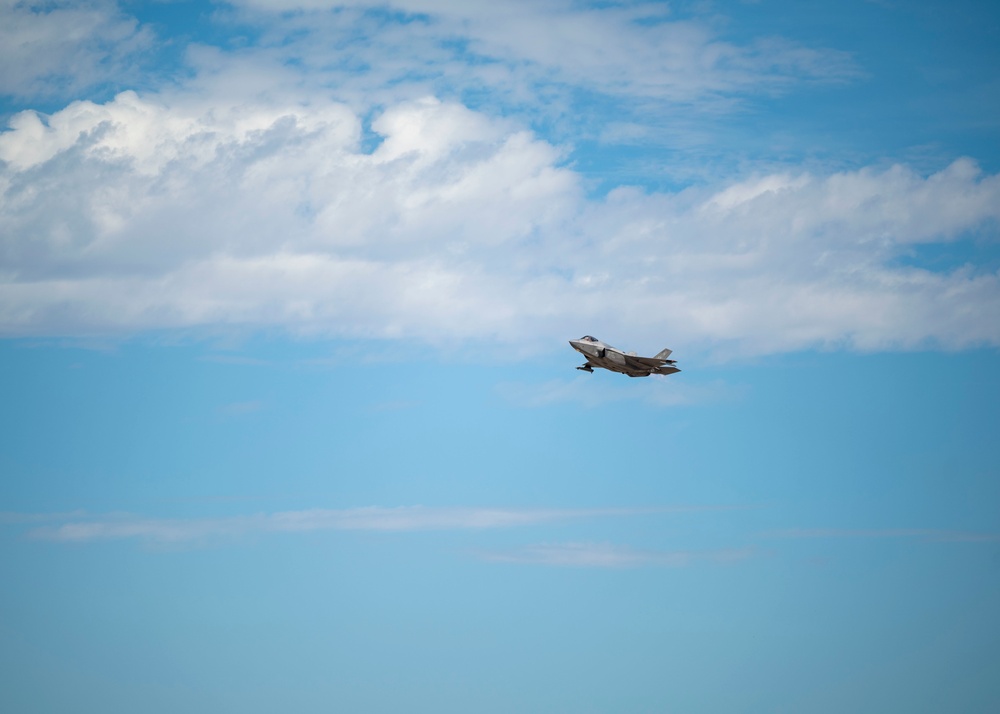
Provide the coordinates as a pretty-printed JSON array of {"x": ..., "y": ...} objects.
[
  {"x": 179, "y": 210},
  {"x": 54, "y": 47}
]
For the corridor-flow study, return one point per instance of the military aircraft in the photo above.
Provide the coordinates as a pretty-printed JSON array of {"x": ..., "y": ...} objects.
[{"x": 599, "y": 354}]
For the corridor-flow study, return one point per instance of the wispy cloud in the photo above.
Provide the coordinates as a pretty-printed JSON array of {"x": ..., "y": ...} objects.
[
  {"x": 924, "y": 534},
  {"x": 58, "y": 47},
  {"x": 82, "y": 528},
  {"x": 241, "y": 408},
  {"x": 607, "y": 555},
  {"x": 13, "y": 518},
  {"x": 537, "y": 47},
  {"x": 675, "y": 75}
]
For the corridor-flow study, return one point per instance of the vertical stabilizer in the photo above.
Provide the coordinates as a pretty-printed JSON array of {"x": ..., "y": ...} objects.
[{"x": 663, "y": 354}]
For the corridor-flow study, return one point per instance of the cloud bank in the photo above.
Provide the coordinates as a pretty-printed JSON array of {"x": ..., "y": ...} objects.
[
  {"x": 172, "y": 211},
  {"x": 369, "y": 170}
]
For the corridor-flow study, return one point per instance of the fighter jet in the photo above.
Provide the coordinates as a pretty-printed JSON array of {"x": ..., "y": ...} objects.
[{"x": 599, "y": 354}]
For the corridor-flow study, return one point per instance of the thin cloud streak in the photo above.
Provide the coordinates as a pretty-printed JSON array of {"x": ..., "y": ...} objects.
[
  {"x": 607, "y": 555},
  {"x": 924, "y": 534},
  {"x": 399, "y": 519},
  {"x": 12, "y": 518},
  {"x": 520, "y": 49},
  {"x": 241, "y": 408}
]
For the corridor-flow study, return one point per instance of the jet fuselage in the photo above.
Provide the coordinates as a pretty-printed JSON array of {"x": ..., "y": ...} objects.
[{"x": 605, "y": 356}]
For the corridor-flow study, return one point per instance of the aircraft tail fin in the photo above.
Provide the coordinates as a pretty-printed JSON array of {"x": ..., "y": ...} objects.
[{"x": 663, "y": 354}]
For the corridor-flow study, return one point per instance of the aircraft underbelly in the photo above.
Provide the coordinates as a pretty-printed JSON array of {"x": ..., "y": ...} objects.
[{"x": 616, "y": 366}]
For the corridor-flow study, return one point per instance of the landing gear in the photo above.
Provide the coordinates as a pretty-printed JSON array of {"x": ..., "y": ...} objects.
[{"x": 586, "y": 368}]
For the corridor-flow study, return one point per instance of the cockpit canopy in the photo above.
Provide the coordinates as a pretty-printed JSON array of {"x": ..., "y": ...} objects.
[{"x": 588, "y": 338}]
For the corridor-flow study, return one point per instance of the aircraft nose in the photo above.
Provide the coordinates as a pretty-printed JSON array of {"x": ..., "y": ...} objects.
[{"x": 583, "y": 347}]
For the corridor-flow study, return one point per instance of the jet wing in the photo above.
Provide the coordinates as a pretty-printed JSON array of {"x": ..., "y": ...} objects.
[
  {"x": 649, "y": 365},
  {"x": 644, "y": 362}
]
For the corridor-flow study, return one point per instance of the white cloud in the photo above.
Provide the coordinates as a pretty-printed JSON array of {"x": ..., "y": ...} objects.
[
  {"x": 639, "y": 50},
  {"x": 607, "y": 555},
  {"x": 78, "y": 527},
  {"x": 583, "y": 71},
  {"x": 61, "y": 46},
  {"x": 188, "y": 210}
]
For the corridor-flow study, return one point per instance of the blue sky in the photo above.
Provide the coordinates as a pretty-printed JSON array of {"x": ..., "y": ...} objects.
[{"x": 289, "y": 418}]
